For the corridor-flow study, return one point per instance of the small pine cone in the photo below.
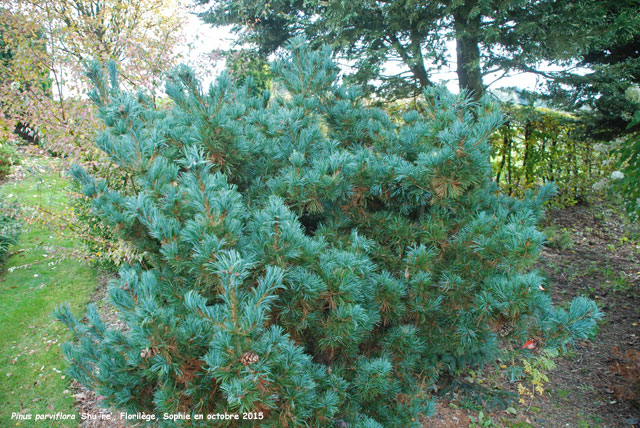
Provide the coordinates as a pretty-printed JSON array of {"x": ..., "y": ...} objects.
[
  {"x": 505, "y": 330},
  {"x": 249, "y": 358}
]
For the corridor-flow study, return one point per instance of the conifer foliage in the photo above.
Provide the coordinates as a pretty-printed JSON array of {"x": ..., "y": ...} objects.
[{"x": 306, "y": 256}]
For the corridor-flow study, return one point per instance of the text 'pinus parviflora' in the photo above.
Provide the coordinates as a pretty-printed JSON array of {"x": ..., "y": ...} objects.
[{"x": 306, "y": 256}]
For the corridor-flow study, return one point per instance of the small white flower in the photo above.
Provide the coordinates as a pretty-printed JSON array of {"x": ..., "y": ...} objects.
[
  {"x": 617, "y": 175},
  {"x": 633, "y": 94}
]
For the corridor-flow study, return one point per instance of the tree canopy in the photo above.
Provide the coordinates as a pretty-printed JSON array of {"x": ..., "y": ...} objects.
[
  {"x": 46, "y": 45},
  {"x": 607, "y": 46},
  {"x": 373, "y": 33}
]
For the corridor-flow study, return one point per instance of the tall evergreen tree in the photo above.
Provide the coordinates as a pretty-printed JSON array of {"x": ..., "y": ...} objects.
[
  {"x": 306, "y": 257},
  {"x": 602, "y": 39},
  {"x": 490, "y": 35}
]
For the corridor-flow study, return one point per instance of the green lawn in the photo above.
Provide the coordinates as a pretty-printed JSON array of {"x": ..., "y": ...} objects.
[{"x": 34, "y": 281}]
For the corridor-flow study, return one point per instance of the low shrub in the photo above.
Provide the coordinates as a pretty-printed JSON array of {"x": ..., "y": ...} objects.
[
  {"x": 8, "y": 158},
  {"x": 307, "y": 261},
  {"x": 9, "y": 228}
]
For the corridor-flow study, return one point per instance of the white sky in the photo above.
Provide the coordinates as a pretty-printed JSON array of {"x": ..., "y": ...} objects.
[{"x": 203, "y": 39}]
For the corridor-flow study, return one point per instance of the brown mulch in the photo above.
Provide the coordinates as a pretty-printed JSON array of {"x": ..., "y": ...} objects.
[
  {"x": 603, "y": 264},
  {"x": 447, "y": 417}
]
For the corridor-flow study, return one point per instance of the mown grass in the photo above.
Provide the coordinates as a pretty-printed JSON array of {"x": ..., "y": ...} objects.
[{"x": 37, "y": 278}]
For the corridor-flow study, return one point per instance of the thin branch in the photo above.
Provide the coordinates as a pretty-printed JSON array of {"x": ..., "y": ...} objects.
[{"x": 502, "y": 76}]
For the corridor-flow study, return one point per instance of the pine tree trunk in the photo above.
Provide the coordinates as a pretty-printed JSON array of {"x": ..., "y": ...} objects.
[{"x": 468, "y": 50}]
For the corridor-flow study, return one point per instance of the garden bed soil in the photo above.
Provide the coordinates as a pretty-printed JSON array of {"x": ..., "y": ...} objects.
[
  {"x": 597, "y": 385},
  {"x": 602, "y": 263}
]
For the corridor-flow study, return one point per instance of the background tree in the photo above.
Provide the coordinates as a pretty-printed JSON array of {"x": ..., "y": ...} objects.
[
  {"x": 371, "y": 34},
  {"x": 141, "y": 35},
  {"x": 628, "y": 179},
  {"x": 18, "y": 77},
  {"x": 368, "y": 33},
  {"x": 598, "y": 50}
]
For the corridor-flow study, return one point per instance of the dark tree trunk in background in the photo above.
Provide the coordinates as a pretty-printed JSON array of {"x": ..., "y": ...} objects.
[
  {"x": 506, "y": 144},
  {"x": 527, "y": 154},
  {"x": 468, "y": 50}
]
